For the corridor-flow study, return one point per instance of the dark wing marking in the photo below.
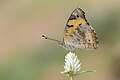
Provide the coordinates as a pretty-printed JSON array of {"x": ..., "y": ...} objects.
[{"x": 78, "y": 12}]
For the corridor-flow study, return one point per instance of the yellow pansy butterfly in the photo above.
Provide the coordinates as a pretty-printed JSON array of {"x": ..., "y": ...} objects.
[{"x": 78, "y": 33}]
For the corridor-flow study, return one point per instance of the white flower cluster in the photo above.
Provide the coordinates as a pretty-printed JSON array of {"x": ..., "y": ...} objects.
[{"x": 72, "y": 65}]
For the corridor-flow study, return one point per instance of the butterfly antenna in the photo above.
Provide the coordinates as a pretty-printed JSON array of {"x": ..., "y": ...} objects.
[{"x": 50, "y": 38}]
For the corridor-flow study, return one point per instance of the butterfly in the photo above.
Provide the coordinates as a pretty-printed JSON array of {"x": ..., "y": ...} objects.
[{"x": 78, "y": 33}]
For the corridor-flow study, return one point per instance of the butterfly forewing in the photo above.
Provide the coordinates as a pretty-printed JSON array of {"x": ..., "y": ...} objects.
[{"x": 79, "y": 33}]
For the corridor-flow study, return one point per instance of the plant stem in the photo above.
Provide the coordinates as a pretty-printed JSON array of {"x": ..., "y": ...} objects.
[{"x": 71, "y": 78}]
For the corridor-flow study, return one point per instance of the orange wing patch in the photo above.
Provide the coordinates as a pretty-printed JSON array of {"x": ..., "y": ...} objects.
[{"x": 74, "y": 24}]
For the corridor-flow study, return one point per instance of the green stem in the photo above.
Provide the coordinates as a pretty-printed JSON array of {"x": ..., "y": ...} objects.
[{"x": 85, "y": 71}]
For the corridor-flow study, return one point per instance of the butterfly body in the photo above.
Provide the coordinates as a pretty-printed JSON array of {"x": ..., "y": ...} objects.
[{"x": 78, "y": 33}]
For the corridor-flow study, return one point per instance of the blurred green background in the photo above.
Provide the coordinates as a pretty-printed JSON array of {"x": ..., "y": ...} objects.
[{"x": 25, "y": 55}]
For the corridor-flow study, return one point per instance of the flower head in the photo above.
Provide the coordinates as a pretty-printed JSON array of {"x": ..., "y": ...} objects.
[{"x": 72, "y": 65}]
